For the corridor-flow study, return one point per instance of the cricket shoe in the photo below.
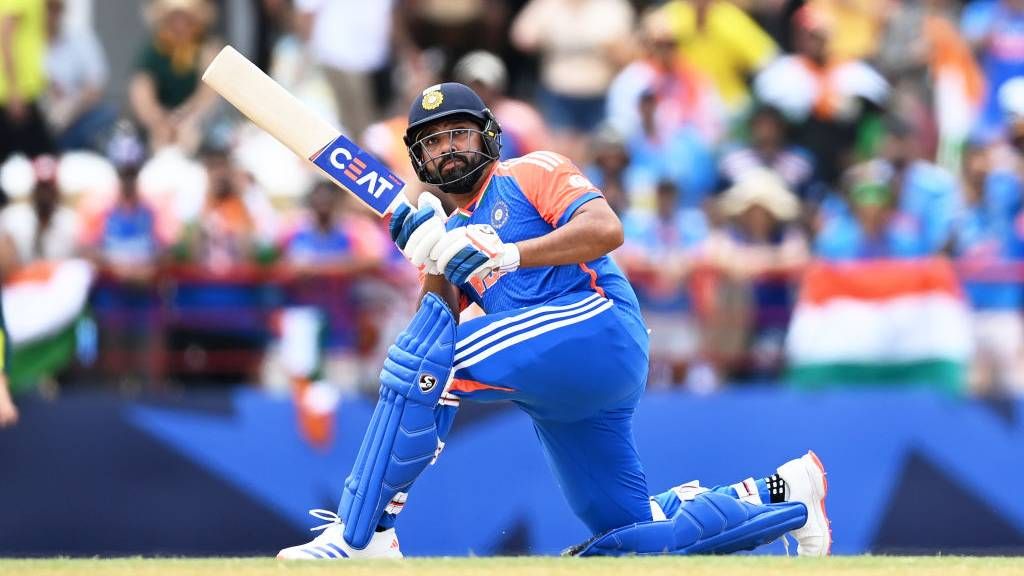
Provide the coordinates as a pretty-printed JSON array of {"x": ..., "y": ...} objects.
[
  {"x": 806, "y": 483},
  {"x": 331, "y": 545}
]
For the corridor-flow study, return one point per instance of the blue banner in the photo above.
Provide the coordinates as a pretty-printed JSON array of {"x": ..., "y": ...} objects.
[{"x": 227, "y": 473}]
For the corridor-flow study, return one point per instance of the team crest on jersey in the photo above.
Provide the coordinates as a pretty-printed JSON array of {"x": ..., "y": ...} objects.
[
  {"x": 432, "y": 99},
  {"x": 499, "y": 214}
]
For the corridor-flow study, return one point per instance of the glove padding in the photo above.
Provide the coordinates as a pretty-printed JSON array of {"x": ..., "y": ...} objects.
[
  {"x": 473, "y": 251},
  {"x": 416, "y": 231}
]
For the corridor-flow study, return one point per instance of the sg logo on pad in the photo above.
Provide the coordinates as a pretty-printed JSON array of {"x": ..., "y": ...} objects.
[{"x": 427, "y": 383}]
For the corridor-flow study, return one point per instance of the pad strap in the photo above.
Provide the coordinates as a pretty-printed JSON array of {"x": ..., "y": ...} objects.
[
  {"x": 711, "y": 523},
  {"x": 402, "y": 437}
]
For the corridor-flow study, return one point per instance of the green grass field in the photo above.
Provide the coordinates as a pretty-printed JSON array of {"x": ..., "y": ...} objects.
[{"x": 697, "y": 566}]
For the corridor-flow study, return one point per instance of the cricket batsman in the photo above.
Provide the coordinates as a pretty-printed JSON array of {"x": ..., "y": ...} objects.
[{"x": 562, "y": 337}]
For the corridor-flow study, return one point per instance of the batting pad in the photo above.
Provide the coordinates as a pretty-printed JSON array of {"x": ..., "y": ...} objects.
[
  {"x": 711, "y": 523},
  {"x": 402, "y": 437}
]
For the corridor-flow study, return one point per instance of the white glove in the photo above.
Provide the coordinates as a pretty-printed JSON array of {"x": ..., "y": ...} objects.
[
  {"x": 473, "y": 251},
  {"x": 415, "y": 232}
]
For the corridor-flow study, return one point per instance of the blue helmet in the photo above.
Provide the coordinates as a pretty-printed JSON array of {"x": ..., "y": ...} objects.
[{"x": 448, "y": 101}]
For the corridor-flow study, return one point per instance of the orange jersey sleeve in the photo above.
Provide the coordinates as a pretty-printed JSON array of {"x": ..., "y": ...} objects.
[{"x": 553, "y": 184}]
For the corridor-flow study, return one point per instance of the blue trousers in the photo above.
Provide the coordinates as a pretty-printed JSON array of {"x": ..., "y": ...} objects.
[{"x": 578, "y": 366}]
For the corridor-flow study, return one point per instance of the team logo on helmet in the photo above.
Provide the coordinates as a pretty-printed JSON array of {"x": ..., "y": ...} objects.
[
  {"x": 432, "y": 100},
  {"x": 427, "y": 383}
]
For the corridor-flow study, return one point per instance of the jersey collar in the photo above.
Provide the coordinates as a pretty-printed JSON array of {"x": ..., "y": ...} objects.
[{"x": 468, "y": 210}]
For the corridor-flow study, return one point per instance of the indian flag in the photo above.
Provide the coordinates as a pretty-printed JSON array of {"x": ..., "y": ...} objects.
[
  {"x": 880, "y": 323},
  {"x": 42, "y": 304}
]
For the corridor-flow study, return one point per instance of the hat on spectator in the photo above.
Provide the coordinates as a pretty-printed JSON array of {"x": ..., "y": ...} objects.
[
  {"x": 125, "y": 150},
  {"x": 813, "y": 19},
  {"x": 760, "y": 187},
  {"x": 201, "y": 10},
  {"x": 483, "y": 67},
  {"x": 867, "y": 184}
]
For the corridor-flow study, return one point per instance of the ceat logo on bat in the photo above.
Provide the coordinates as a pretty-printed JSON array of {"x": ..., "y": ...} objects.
[{"x": 360, "y": 173}]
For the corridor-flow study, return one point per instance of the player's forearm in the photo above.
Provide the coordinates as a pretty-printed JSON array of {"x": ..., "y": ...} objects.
[
  {"x": 593, "y": 232},
  {"x": 442, "y": 287}
]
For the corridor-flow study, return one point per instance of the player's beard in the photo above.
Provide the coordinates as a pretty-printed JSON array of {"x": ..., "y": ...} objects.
[{"x": 465, "y": 171}]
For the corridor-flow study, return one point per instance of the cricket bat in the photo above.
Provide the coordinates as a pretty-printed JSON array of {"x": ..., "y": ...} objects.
[{"x": 268, "y": 105}]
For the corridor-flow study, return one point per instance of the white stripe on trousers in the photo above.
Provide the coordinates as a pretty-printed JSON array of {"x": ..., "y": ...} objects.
[
  {"x": 488, "y": 352},
  {"x": 513, "y": 319},
  {"x": 542, "y": 318}
]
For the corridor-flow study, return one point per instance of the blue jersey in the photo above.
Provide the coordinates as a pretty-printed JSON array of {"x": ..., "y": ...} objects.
[{"x": 529, "y": 197}]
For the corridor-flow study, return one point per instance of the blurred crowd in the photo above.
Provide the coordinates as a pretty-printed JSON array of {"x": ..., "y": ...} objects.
[{"x": 740, "y": 142}]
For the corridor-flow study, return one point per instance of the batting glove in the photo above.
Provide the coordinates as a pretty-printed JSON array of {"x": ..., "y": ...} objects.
[
  {"x": 416, "y": 231},
  {"x": 474, "y": 251}
]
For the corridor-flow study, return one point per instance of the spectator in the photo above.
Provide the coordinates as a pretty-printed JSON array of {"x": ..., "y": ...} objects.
[
  {"x": 989, "y": 247},
  {"x": 128, "y": 253},
  {"x": 225, "y": 235},
  {"x": 128, "y": 247},
  {"x": 77, "y": 71},
  {"x": 332, "y": 239},
  {"x": 863, "y": 23},
  {"x": 351, "y": 41},
  {"x": 754, "y": 253},
  {"x": 457, "y": 28},
  {"x": 43, "y": 228},
  {"x": 936, "y": 80},
  {"x": 522, "y": 127},
  {"x": 921, "y": 189},
  {"x": 609, "y": 167},
  {"x": 768, "y": 147},
  {"x": 220, "y": 304},
  {"x": 877, "y": 227},
  {"x": 329, "y": 256},
  {"x": 165, "y": 92},
  {"x": 659, "y": 151},
  {"x": 22, "y": 78},
  {"x": 759, "y": 237},
  {"x": 684, "y": 95},
  {"x": 659, "y": 254},
  {"x": 995, "y": 29},
  {"x": 578, "y": 60},
  {"x": 725, "y": 43},
  {"x": 827, "y": 99}
]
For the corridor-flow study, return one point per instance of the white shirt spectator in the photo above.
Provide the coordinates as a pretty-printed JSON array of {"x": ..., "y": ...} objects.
[
  {"x": 350, "y": 35},
  {"x": 575, "y": 40},
  {"x": 74, "y": 62}
]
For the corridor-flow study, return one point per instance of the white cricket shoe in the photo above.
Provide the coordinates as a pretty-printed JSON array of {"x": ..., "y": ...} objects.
[
  {"x": 806, "y": 482},
  {"x": 331, "y": 545}
]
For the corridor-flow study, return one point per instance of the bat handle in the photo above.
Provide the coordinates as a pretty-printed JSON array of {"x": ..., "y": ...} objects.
[{"x": 400, "y": 198}]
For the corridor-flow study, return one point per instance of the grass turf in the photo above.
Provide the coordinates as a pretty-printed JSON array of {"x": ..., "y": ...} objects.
[{"x": 663, "y": 566}]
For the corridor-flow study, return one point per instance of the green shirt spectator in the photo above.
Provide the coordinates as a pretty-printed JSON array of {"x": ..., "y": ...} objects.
[
  {"x": 166, "y": 95},
  {"x": 174, "y": 83}
]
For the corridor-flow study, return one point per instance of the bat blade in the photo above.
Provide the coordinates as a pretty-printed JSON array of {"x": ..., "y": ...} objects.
[{"x": 268, "y": 105}]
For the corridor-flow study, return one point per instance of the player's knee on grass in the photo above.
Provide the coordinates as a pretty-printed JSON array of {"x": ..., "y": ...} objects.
[{"x": 711, "y": 523}]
